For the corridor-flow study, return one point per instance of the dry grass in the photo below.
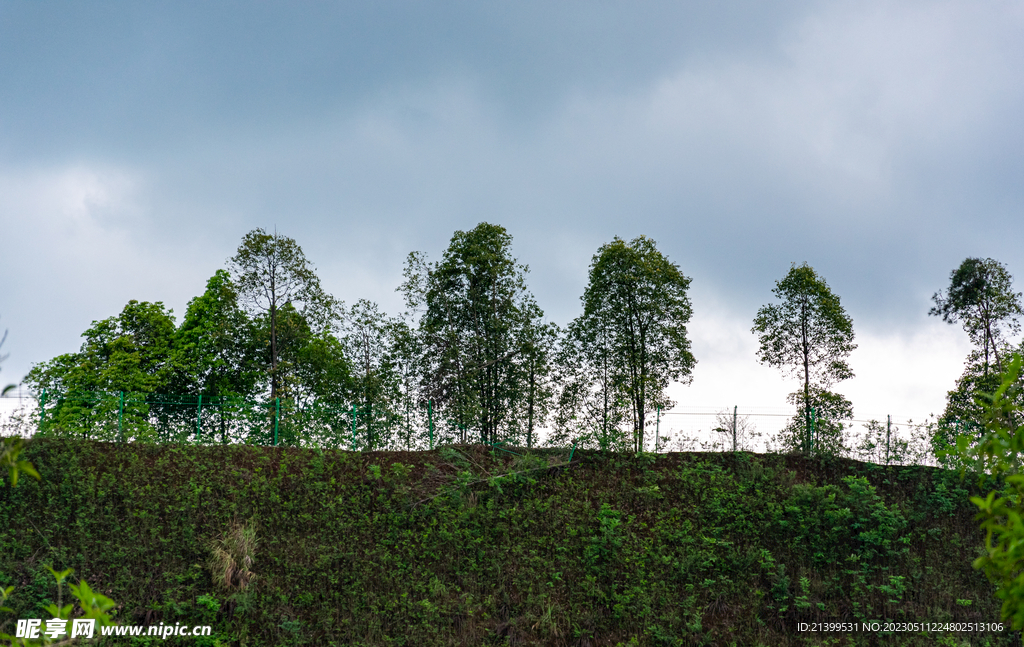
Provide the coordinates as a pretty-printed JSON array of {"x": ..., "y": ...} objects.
[{"x": 232, "y": 557}]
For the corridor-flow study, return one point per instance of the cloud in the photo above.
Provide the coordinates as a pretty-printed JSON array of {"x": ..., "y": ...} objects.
[
  {"x": 879, "y": 142},
  {"x": 79, "y": 243}
]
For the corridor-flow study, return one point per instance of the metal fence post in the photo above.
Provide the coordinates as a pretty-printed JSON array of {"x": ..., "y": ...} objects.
[
  {"x": 814, "y": 420},
  {"x": 353, "y": 427},
  {"x": 657, "y": 431},
  {"x": 430, "y": 421},
  {"x": 888, "y": 428},
  {"x": 734, "y": 409},
  {"x": 42, "y": 410},
  {"x": 120, "y": 419},
  {"x": 199, "y": 416},
  {"x": 277, "y": 417}
]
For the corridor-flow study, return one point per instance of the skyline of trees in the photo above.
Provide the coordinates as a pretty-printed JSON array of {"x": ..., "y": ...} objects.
[{"x": 475, "y": 348}]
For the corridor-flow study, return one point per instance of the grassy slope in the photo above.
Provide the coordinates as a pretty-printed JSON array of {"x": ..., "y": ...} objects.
[{"x": 426, "y": 549}]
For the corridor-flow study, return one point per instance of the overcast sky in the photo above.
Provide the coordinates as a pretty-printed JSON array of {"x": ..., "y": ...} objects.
[{"x": 880, "y": 142}]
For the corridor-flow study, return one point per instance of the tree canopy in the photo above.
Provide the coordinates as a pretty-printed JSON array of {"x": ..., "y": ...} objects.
[
  {"x": 980, "y": 297},
  {"x": 270, "y": 272},
  {"x": 477, "y": 326},
  {"x": 808, "y": 335},
  {"x": 630, "y": 342}
]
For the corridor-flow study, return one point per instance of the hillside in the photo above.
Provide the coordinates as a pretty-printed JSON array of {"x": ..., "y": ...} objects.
[{"x": 434, "y": 548}]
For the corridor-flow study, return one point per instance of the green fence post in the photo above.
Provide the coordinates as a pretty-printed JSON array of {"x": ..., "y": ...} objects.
[
  {"x": 814, "y": 420},
  {"x": 430, "y": 421},
  {"x": 42, "y": 410},
  {"x": 277, "y": 417},
  {"x": 408, "y": 428},
  {"x": 120, "y": 419},
  {"x": 199, "y": 416},
  {"x": 353, "y": 427}
]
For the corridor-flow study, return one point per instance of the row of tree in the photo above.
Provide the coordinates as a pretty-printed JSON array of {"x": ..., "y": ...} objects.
[{"x": 473, "y": 359}]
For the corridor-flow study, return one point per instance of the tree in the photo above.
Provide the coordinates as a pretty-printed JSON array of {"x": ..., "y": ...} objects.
[
  {"x": 1000, "y": 453},
  {"x": 809, "y": 336},
  {"x": 593, "y": 410},
  {"x": 737, "y": 432},
  {"x": 368, "y": 336},
  {"x": 474, "y": 319},
  {"x": 536, "y": 380},
  {"x": 216, "y": 345},
  {"x": 967, "y": 402},
  {"x": 630, "y": 342},
  {"x": 981, "y": 298},
  {"x": 131, "y": 352},
  {"x": 314, "y": 381},
  {"x": 271, "y": 271}
]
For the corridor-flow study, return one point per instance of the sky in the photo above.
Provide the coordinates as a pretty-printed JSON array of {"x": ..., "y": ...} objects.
[{"x": 880, "y": 142}]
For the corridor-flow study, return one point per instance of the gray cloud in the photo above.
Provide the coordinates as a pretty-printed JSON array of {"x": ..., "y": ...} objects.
[{"x": 881, "y": 143}]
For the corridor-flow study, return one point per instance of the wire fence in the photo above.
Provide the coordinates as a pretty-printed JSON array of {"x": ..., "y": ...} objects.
[
  {"x": 200, "y": 419},
  {"x": 885, "y": 439}
]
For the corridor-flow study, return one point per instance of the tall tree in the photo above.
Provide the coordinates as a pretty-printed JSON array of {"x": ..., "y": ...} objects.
[
  {"x": 216, "y": 344},
  {"x": 632, "y": 333},
  {"x": 981, "y": 298},
  {"x": 808, "y": 335},
  {"x": 474, "y": 315},
  {"x": 368, "y": 336},
  {"x": 536, "y": 381},
  {"x": 270, "y": 271}
]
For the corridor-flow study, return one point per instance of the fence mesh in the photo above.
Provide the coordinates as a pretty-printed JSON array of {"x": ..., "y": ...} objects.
[{"x": 146, "y": 417}]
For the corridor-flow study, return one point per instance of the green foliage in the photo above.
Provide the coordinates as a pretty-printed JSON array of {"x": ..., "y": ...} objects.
[
  {"x": 809, "y": 336},
  {"x": 271, "y": 273},
  {"x": 883, "y": 444},
  {"x": 10, "y": 460},
  {"x": 483, "y": 346},
  {"x": 92, "y": 604},
  {"x": 1000, "y": 452},
  {"x": 130, "y": 352},
  {"x": 981, "y": 298},
  {"x": 620, "y": 355},
  {"x": 216, "y": 345},
  {"x": 966, "y": 404},
  {"x": 476, "y": 546},
  {"x": 88, "y": 604},
  {"x": 829, "y": 411},
  {"x": 371, "y": 339}
]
